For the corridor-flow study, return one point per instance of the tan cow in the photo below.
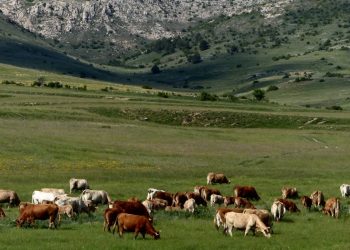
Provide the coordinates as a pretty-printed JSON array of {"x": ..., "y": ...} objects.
[
  {"x": 317, "y": 199},
  {"x": 264, "y": 215},
  {"x": 246, "y": 222},
  {"x": 288, "y": 192},
  {"x": 332, "y": 207},
  {"x": 65, "y": 210},
  {"x": 219, "y": 218},
  {"x": 10, "y": 197},
  {"x": 216, "y": 199},
  {"x": 213, "y": 178},
  {"x": 278, "y": 210},
  {"x": 155, "y": 204}
]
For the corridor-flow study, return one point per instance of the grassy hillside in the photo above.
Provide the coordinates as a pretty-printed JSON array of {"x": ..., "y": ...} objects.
[{"x": 127, "y": 141}]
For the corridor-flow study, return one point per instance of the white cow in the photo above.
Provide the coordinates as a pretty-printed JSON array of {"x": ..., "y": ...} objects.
[
  {"x": 278, "y": 210},
  {"x": 78, "y": 184},
  {"x": 345, "y": 190},
  {"x": 96, "y": 196},
  {"x": 53, "y": 190},
  {"x": 151, "y": 192},
  {"x": 246, "y": 222},
  {"x": 190, "y": 205},
  {"x": 216, "y": 199},
  {"x": 38, "y": 197}
]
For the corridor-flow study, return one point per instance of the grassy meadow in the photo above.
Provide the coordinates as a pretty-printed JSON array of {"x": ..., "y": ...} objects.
[{"x": 127, "y": 141}]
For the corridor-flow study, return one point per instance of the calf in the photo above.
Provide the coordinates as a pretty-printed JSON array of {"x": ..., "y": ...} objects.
[
  {"x": 229, "y": 200},
  {"x": 78, "y": 184},
  {"x": 155, "y": 204},
  {"x": 32, "y": 212},
  {"x": 213, "y": 178},
  {"x": 197, "y": 197},
  {"x": 278, "y": 210},
  {"x": 289, "y": 205},
  {"x": 306, "y": 201},
  {"x": 65, "y": 210},
  {"x": 289, "y": 193},
  {"x": 137, "y": 224},
  {"x": 332, "y": 207},
  {"x": 246, "y": 222},
  {"x": 248, "y": 192}
]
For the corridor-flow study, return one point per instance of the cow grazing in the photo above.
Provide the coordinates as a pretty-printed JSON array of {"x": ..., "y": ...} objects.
[
  {"x": 132, "y": 207},
  {"x": 155, "y": 204},
  {"x": 219, "y": 218},
  {"x": 317, "y": 199},
  {"x": 291, "y": 193},
  {"x": 179, "y": 199},
  {"x": 213, "y": 178},
  {"x": 164, "y": 196},
  {"x": 57, "y": 191},
  {"x": 96, "y": 196},
  {"x": 278, "y": 210},
  {"x": 247, "y": 192},
  {"x": 289, "y": 205},
  {"x": 78, "y": 204},
  {"x": 244, "y": 203},
  {"x": 190, "y": 205},
  {"x": 10, "y": 197},
  {"x": 264, "y": 215},
  {"x": 65, "y": 210},
  {"x": 332, "y": 207},
  {"x": 216, "y": 199},
  {"x": 306, "y": 201},
  {"x": 2, "y": 213},
  {"x": 207, "y": 192},
  {"x": 198, "y": 189},
  {"x": 151, "y": 192},
  {"x": 345, "y": 190},
  {"x": 78, "y": 184},
  {"x": 197, "y": 197},
  {"x": 32, "y": 212},
  {"x": 137, "y": 224},
  {"x": 246, "y": 222}
]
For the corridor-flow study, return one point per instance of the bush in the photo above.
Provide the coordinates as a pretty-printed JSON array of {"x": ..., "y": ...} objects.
[
  {"x": 259, "y": 94},
  {"x": 146, "y": 87},
  {"x": 205, "y": 96},
  {"x": 54, "y": 85},
  {"x": 203, "y": 45},
  {"x": 272, "y": 88},
  {"x": 163, "y": 94},
  {"x": 155, "y": 69},
  {"x": 194, "y": 58},
  {"x": 335, "y": 107}
]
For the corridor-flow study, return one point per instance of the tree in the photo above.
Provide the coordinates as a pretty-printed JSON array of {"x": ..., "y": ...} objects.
[
  {"x": 194, "y": 58},
  {"x": 259, "y": 94},
  {"x": 155, "y": 69}
]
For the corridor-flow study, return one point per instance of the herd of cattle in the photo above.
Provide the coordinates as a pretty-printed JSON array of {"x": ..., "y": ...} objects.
[{"x": 135, "y": 216}]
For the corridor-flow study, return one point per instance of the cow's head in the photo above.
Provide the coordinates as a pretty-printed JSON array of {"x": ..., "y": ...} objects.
[{"x": 156, "y": 235}]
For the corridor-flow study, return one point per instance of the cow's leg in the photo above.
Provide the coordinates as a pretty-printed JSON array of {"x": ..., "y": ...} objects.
[
  {"x": 229, "y": 228},
  {"x": 247, "y": 230},
  {"x": 137, "y": 230},
  {"x": 120, "y": 229}
]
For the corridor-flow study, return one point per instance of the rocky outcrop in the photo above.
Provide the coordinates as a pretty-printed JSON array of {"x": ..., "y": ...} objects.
[{"x": 150, "y": 19}]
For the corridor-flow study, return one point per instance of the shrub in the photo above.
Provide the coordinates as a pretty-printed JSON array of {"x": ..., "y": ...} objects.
[
  {"x": 163, "y": 94},
  {"x": 335, "y": 107},
  {"x": 194, "y": 58},
  {"x": 272, "y": 88},
  {"x": 155, "y": 69},
  {"x": 205, "y": 96},
  {"x": 146, "y": 87},
  {"x": 203, "y": 45},
  {"x": 259, "y": 94}
]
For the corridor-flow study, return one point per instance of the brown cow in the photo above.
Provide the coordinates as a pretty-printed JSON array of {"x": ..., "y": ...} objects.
[
  {"x": 137, "y": 224},
  {"x": 132, "y": 207},
  {"x": 213, "y": 178},
  {"x": 332, "y": 207},
  {"x": 31, "y": 212},
  {"x": 248, "y": 192},
  {"x": 244, "y": 203},
  {"x": 10, "y": 197},
  {"x": 164, "y": 196},
  {"x": 229, "y": 200},
  {"x": 179, "y": 199},
  {"x": 2, "y": 213},
  {"x": 317, "y": 199},
  {"x": 291, "y": 193},
  {"x": 207, "y": 192},
  {"x": 110, "y": 215},
  {"x": 197, "y": 197},
  {"x": 290, "y": 205},
  {"x": 306, "y": 201}
]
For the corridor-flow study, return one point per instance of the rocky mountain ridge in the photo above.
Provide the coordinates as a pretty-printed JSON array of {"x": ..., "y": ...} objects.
[{"x": 120, "y": 20}]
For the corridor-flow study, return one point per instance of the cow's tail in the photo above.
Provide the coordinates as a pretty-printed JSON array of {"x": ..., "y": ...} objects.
[{"x": 337, "y": 208}]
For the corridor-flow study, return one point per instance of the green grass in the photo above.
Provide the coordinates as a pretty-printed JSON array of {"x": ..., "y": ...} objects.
[{"x": 49, "y": 136}]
